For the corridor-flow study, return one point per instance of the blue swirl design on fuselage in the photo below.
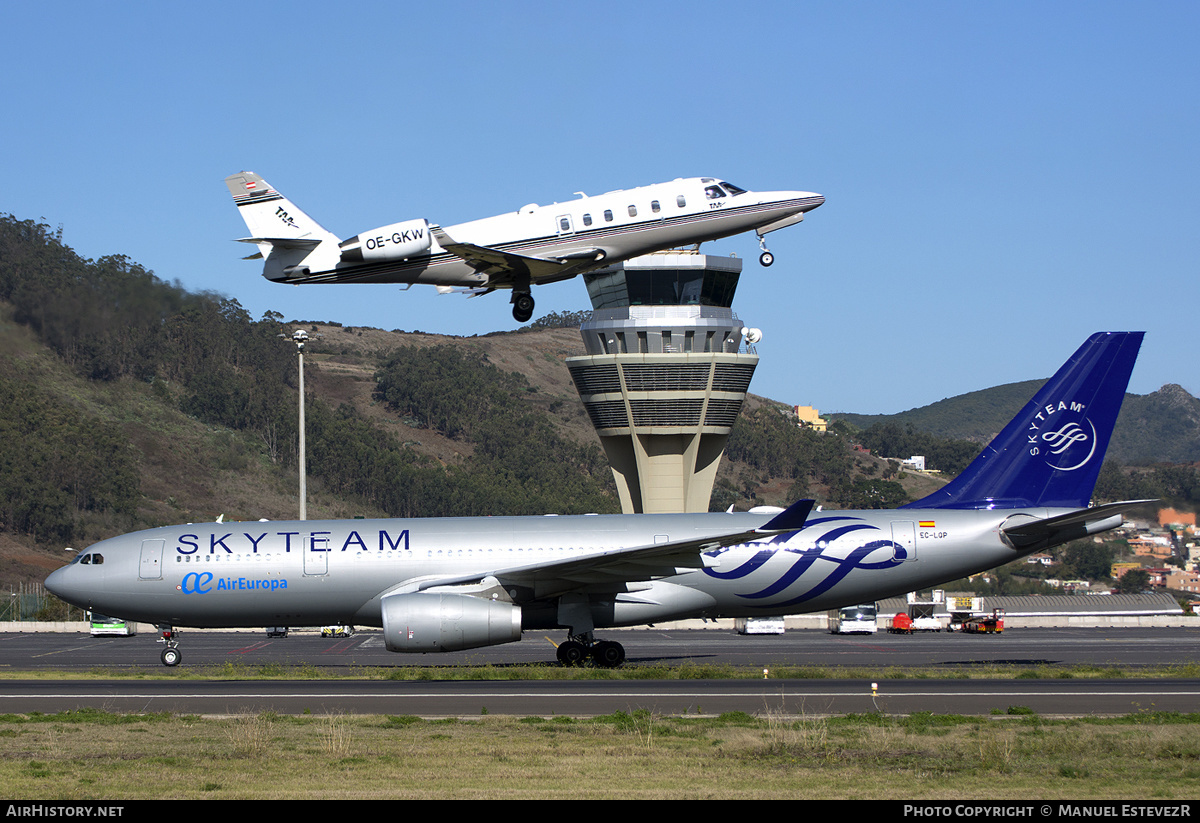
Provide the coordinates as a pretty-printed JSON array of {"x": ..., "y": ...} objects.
[{"x": 807, "y": 558}]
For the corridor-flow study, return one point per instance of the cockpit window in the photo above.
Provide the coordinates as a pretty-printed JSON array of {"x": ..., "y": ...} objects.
[
  {"x": 732, "y": 189},
  {"x": 713, "y": 192}
]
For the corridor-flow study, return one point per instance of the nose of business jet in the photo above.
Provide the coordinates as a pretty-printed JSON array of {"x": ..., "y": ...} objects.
[
  {"x": 809, "y": 200},
  {"x": 792, "y": 202}
]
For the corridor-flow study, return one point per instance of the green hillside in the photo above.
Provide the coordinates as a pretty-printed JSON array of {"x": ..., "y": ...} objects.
[
  {"x": 1160, "y": 427},
  {"x": 128, "y": 403}
]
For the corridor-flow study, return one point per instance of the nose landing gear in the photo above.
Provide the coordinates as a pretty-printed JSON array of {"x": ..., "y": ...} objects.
[
  {"x": 171, "y": 654},
  {"x": 766, "y": 258}
]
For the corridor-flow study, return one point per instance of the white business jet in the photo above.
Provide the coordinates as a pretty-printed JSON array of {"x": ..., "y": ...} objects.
[{"x": 530, "y": 246}]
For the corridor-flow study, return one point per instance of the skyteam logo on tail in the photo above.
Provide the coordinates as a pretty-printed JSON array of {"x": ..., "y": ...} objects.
[{"x": 1063, "y": 435}]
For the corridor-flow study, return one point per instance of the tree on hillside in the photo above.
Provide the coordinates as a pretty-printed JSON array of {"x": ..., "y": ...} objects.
[{"x": 1134, "y": 581}]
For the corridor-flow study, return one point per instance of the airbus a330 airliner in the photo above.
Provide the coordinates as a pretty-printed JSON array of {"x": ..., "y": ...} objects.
[
  {"x": 447, "y": 584},
  {"x": 517, "y": 250}
]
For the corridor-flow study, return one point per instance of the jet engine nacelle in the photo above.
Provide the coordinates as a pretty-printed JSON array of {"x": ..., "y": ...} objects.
[
  {"x": 429, "y": 622},
  {"x": 395, "y": 242}
]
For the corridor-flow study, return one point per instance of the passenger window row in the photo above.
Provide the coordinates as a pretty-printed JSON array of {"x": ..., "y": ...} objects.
[{"x": 655, "y": 207}]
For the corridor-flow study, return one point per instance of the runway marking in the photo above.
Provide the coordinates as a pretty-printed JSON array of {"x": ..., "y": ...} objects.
[
  {"x": 92, "y": 645},
  {"x": 500, "y": 695}
]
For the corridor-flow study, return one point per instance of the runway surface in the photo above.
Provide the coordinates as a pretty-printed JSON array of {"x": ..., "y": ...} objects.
[{"x": 888, "y": 655}]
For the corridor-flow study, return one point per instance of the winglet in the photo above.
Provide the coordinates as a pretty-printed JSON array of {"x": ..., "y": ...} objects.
[{"x": 791, "y": 519}]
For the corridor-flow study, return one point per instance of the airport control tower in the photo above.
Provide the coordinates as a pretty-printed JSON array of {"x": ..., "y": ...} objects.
[{"x": 665, "y": 374}]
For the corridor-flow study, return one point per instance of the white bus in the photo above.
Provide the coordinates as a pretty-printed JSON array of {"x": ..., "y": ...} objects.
[{"x": 858, "y": 619}]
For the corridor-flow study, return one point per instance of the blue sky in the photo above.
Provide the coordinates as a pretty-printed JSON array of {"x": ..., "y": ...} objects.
[{"x": 1001, "y": 179}]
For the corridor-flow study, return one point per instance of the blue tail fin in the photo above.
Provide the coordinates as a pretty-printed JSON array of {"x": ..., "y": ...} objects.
[{"x": 1050, "y": 454}]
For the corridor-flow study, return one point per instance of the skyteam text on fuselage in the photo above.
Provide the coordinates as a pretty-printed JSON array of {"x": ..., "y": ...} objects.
[
  {"x": 447, "y": 584},
  {"x": 517, "y": 250}
]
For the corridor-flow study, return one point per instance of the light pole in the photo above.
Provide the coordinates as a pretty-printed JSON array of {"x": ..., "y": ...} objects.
[{"x": 300, "y": 337}]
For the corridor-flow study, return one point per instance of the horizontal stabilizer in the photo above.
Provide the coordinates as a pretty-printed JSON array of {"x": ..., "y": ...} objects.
[
  {"x": 1054, "y": 531},
  {"x": 301, "y": 243}
]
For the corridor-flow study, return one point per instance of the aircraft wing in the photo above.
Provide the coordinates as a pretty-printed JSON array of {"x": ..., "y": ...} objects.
[
  {"x": 1035, "y": 535},
  {"x": 502, "y": 267},
  {"x": 610, "y": 571}
]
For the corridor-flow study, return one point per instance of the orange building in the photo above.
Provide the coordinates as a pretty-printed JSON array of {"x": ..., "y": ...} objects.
[
  {"x": 1170, "y": 517},
  {"x": 809, "y": 417}
]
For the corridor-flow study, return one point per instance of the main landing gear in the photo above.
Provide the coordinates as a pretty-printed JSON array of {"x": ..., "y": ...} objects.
[
  {"x": 171, "y": 654},
  {"x": 522, "y": 306},
  {"x": 577, "y": 649}
]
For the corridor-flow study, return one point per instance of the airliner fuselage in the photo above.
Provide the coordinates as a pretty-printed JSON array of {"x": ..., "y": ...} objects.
[{"x": 322, "y": 572}]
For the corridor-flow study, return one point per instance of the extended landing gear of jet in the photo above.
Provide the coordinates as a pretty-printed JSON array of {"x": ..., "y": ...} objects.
[
  {"x": 171, "y": 654},
  {"x": 522, "y": 306},
  {"x": 578, "y": 649},
  {"x": 766, "y": 258}
]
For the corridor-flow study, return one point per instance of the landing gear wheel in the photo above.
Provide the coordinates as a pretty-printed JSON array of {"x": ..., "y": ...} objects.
[
  {"x": 171, "y": 656},
  {"x": 766, "y": 258},
  {"x": 608, "y": 654},
  {"x": 522, "y": 307},
  {"x": 572, "y": 653}
]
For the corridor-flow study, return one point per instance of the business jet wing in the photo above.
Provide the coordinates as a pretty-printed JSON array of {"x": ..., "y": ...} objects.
[
  {"x": 504, "y": 268},
  {"x": 609, "y": 571}
]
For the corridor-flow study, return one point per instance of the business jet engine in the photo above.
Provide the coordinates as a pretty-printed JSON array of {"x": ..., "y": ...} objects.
[
  {"x": 429, "y": 622},
  {"x": 398, "y": 241}
]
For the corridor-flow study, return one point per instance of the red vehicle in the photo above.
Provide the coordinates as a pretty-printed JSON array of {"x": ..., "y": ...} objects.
[{"x": 986, "y": 625}]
